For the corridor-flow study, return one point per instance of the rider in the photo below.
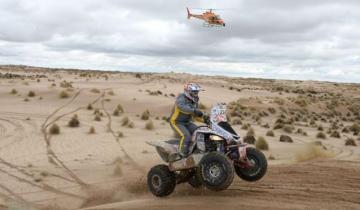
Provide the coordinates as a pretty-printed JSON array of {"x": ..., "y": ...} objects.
[{"x": 184, "y": 111}]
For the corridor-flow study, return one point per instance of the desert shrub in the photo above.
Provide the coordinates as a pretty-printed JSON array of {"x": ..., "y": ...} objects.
[
  {"x": 111, "y": 92},
  {"x": 355, "y": 128},
  {"x": 335, "y": 134},
  {"x": 89, "y": 107},
  {"x": 26, "y": 99},
  {"x": 118, "y": 170},
  {"x": 350, "y": 142},
  {"x": 65, "y": 84},
  {"x": 116, "y": 112},
  {"x": 145, "y": 115},
  {"x": 245, "y": 127},
  {"x": 288, "y": 129},
  {"x": 149, "y": 125},
  {"x": 285, "y": 138},
  {"x": 278, "y": 126},
  {"x": 138, "y": 75},
  {"x": 31, "y": 93},
  {"x": 249, "y": 139},
  {"x": 270, "y": 133},
  {"x": 125, "y": 121},
  {"x": 271, "y": 157},
  {"x": 97, "y": 117},
  {"x": 54, "y": 129},
  {"x": 301, "y": 102},
  {"x": 64, "y": 94},
  {"x": 261, "y": 143},
  {"x": 120, "y": 134},
  {"x": 250, "y": 132},
  {"x": 95, "y": 90},
  {"x": 321, "y": 135},
  {"x": 345, "y": 130},
  {"x": 92, "y": 130},
  {"x": 236, "y": 121},
  {"x": 13, "y": 91},
  {"x": 320, "y": 128},
  {"x": 272, "y": 110},
  {"x": 266, "y": 125},
  {"x": 131, "y": 125},
  {"x": 74, "y": 122},
  {"x": 120, "y": 108}
]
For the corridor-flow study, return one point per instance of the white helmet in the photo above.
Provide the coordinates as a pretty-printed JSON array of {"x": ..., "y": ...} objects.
[{"x": 191, "y": 91}]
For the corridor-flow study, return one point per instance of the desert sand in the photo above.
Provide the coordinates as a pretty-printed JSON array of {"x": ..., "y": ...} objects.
[{"x": 100, "y": 161}]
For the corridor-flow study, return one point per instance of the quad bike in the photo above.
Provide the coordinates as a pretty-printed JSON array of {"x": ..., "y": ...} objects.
[{"x": 216, "y": 153}]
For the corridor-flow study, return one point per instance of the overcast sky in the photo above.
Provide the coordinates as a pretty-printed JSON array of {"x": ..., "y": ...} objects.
[{"x": 287, "y": 39}]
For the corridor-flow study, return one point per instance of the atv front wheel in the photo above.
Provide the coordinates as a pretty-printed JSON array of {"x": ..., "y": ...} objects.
[
  {"x": 216, "y": 171},
  {"x": 256, "y": 170},
  {"x": 161, "y": 181}
]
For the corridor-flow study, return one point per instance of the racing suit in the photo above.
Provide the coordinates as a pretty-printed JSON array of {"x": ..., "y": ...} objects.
[{"x": 184, "y": 112}]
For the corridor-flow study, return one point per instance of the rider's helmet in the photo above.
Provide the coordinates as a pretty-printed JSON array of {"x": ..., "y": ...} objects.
[{"x": 191, "y": 91}]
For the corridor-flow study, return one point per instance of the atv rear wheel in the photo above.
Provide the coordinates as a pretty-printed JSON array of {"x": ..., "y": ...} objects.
[
  {"x": 258, "y": 168},
  {"x": 161, "y": 181},
  {"x": 216, "y": 171}
]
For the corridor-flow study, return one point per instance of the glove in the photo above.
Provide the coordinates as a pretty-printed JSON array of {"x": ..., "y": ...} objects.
[
  {"x": 198, "y": 113},
  {"x": 206, "y": 119}
]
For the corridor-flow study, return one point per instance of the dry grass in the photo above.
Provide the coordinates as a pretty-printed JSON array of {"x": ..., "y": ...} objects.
[
  {"x": 261, "y": 144},
  {"x": 149, "y": 125},
  {"x": 74, "y": 122},
  {"x": 311, "y": 151},
  {"x": 54, "y": 129}
]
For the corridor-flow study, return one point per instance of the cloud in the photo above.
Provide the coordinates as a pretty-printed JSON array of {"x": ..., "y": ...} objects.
[{"x": 272, "y": 39}]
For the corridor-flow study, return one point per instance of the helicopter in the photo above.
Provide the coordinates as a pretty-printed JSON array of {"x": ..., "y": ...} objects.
[{"x": 210, "y": 18}]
